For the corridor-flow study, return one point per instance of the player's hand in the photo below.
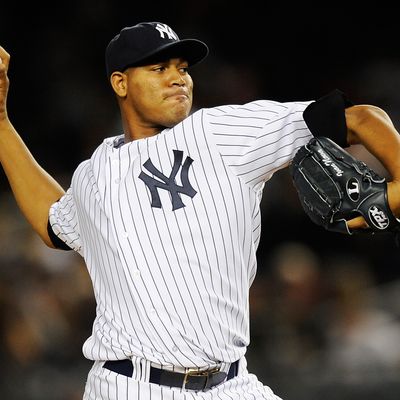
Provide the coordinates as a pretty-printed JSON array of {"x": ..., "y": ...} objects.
[
  {"x": 394, "y": 203},
  {"x": 4, "y": 82}
]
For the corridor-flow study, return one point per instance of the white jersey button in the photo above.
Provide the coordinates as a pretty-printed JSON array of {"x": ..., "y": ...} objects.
[{"x": 136, "y": 274}]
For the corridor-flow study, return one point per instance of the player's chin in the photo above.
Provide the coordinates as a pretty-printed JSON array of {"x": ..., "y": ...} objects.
[{"x": 177, "y": 114}]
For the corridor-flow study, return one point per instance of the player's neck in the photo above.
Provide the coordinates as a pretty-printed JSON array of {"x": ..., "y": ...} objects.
[{"x": 135, "y": 132}]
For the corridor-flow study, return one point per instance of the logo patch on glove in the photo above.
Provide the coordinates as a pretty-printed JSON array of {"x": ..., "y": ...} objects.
[
  {"x": 353, "y": 189},
  {"x": 378, "y": 217}
]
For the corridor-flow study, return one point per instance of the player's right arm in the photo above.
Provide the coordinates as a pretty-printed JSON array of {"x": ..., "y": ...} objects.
[{"x": 34, "y": 189}]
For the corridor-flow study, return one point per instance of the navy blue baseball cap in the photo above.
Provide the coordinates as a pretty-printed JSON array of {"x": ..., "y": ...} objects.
[{"x": 150, "y": 41}]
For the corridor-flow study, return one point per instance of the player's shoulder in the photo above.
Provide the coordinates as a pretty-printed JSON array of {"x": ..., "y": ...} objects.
[
  {"x": 94, "y": 163},
  {"x": 100, "y": 151},
  {"x": 108, "y": 144},
  {"x": 257, "y": 107}
]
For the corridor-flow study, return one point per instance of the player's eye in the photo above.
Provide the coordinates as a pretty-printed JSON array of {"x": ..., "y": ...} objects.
[{"x": 158, "y": 68}]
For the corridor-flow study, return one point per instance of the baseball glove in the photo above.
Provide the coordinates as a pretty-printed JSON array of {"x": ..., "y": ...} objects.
[{"x": 333, "y": 187}]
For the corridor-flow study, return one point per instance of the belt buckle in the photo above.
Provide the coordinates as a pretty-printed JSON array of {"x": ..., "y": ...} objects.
[{"x": 196, "y": 372}]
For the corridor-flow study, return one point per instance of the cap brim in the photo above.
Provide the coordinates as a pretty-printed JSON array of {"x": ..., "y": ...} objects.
[{"x": 192, "y": 50}]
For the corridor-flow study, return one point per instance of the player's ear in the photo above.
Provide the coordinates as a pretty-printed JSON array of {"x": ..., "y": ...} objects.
[{"x": 119, "y": 83}]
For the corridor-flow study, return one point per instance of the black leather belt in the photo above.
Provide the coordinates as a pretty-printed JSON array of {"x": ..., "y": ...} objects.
[{"x": 192, "y": 380}]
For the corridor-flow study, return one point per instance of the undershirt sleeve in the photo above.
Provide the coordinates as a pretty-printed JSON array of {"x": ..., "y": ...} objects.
[
  {"x": 57, "y": 242},
  {"x": 326, "y": 117},
  {"x": 63, "y": 227}
]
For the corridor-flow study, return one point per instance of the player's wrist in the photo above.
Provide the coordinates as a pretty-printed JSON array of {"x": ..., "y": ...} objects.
[
  {"x": 3, "y": 116},
  {"x": 5, "y": 123},
  {"x": 394, "y": 197}
]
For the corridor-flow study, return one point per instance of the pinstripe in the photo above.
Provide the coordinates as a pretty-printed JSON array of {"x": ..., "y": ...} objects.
[
  {"x": 270, "y": 153},
  {"x": 155, "y": 256},
  {"x": 283, "y": 159},
  {"x": 228, "y": 217},
  {"x": 212, "y": 237},
  {"x": 221, "y": 231},
  {"x": 182, "y": 303},
  {"x": 155, "y": 286},
  {"x": 246, "y": 244},
  {"x": 236, "y": 270},
  {"x": 198, "y": 321},
  {"x": 171, "y": 284},
  {"x": 105, "y": 294},
  {"x": 133, "y": 281},
  {"x": 133, "y": 254},
  {"x": 213, "y": 240}
]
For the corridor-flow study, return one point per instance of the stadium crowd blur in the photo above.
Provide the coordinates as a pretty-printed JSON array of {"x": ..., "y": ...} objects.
[{"x": 325, "y": 307}]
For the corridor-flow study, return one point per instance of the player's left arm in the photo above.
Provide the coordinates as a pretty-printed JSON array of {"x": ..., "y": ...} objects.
[{"x": 372, "y": 127}]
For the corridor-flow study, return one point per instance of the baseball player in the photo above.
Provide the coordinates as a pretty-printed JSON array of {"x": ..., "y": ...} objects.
[{"x": 166, "y": 215}]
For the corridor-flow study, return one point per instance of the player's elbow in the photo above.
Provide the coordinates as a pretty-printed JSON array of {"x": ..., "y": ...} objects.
[
  {"x": 41, "y": 229},
  {"x": 364, "y": 114},
  {"x": 47, "y": 241}
]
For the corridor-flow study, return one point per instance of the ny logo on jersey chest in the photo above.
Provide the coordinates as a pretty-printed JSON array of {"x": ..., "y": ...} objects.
[{"x": 168, "y": 182}]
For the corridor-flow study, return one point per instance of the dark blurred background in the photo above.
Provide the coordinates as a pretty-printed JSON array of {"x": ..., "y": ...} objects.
[{"x": 325, "y": 307}]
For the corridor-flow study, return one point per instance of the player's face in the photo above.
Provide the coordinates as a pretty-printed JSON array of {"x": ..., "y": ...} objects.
[{"x": 160, "y": 94}]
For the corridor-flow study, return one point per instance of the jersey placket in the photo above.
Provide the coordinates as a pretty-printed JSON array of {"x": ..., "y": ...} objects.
[{"x": 117, "y": 170}]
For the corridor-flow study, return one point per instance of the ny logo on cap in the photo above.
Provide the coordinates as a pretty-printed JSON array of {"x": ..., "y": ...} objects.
[{"x": 164, "y": 28}]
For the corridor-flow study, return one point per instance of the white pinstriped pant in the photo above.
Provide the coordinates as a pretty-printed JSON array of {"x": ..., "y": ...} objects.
[{"x": 103, "y": 384}]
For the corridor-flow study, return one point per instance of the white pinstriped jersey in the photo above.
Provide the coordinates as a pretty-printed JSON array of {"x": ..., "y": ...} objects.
[{"x": 169, "y": 227}]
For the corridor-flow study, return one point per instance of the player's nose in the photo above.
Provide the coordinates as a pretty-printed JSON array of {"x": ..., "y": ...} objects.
[{"x": 176, "y": 77}]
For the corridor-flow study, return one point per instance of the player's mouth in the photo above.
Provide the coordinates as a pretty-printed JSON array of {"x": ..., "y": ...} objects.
[{"x": 179, "y": 95}]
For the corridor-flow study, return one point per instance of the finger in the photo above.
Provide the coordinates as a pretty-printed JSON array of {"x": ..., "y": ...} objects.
[
  {"x": 4, "y": 58},
  {"x": 357, "y": 223}
]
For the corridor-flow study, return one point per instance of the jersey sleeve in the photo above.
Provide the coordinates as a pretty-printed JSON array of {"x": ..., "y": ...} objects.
[
  {"x": 63, "y": 225},
  {"x": 258, "y": 138}
]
